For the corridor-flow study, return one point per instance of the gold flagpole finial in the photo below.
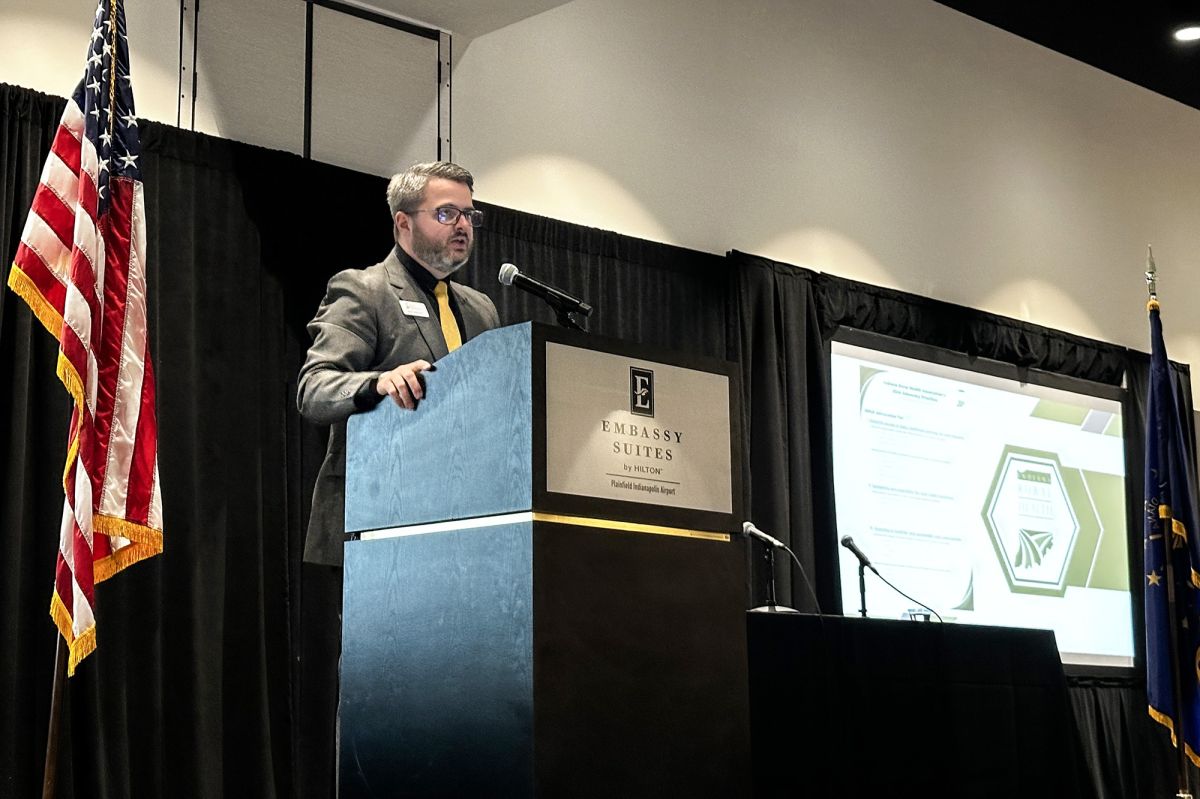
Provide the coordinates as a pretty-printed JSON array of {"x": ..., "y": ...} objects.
[{"x": 1151, "y": 279}]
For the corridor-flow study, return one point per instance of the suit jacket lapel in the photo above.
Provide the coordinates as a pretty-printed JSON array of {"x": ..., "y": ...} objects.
[
  {"x": 428, "y": 326},
  {"x": 472, "y": 322}
]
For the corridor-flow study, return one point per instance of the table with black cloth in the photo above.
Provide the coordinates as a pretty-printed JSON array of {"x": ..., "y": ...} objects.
[{"x": 848, "y": 707}]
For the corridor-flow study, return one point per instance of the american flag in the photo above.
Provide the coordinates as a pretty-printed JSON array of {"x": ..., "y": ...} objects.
[{"x": 81, "y": 268}]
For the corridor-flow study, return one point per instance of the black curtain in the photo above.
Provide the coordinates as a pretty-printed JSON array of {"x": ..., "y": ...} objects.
[
  {"x": 33, "y": 428},
  {"x": 788, "y": 460},
  {"x": 647, "y": 293},
  {"x": 849, "y": 303}
]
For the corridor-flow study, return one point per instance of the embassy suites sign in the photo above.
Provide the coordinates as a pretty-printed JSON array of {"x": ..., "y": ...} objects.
[
  {"x": 633, "y": 430},
  {"x": 641, "y": 446}
]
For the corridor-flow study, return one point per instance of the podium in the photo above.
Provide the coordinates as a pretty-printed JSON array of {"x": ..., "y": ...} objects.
[{"x": 541, "y": 595}]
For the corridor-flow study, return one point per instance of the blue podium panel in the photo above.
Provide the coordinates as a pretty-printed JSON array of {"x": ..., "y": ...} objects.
[
  {"x": 505, "y": 427},
  {"x": 464, "y": 452},
  {"x": 437, "y": 665}
]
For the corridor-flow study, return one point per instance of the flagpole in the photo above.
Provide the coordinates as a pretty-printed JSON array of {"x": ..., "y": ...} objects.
[
  {"x": 1181, "y": 762},
  {"x": 56, "y": 696}
]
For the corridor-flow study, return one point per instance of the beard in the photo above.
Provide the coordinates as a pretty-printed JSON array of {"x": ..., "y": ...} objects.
[{"x": 436, "y": 257}]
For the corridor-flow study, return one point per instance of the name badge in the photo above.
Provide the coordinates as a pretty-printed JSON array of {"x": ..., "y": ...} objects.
[{"x": 414, "y": 309}]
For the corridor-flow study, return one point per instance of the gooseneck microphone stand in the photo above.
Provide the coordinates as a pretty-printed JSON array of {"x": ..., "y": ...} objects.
[
  {"x": 862, "y": 589},
  {"x": 772, "y": 606}
]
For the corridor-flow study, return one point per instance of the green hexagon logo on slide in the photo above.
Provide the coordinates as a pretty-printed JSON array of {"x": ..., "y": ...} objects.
[{"x": 1031, "y": 522}]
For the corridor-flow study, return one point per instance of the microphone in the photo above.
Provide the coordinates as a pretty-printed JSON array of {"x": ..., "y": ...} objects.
[
  {"x": 774, "y": 543},
  {"x": 557, "y": 299},
  {"x": 749, "y": 529},
  {"x": 849, "y": 544}
]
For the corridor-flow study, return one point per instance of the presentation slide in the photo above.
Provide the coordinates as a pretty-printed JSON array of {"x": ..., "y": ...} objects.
[{"x": 990, "y": 500}]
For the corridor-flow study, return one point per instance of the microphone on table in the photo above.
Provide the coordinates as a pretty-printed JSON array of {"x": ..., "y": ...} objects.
[
  {"x": 749, "y": 529},
  {"x": 849, "y": 544},
  {"x": 773, "y": 544}
]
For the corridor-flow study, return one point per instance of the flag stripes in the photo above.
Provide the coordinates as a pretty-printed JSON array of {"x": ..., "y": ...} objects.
[{"x": 81, "y": 268}]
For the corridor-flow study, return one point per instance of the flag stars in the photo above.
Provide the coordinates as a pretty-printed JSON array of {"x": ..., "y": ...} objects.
[
  {"x": 106, "y": 138},
  {"x": 94, "y": 85},
  {"x": 127, "y": 161},
  {"x": 129, "y": 120},
  {"x": 1153, "y": 578}
]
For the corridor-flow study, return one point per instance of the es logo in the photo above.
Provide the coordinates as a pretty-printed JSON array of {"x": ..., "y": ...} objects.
[{"x": 641, "y": 391}]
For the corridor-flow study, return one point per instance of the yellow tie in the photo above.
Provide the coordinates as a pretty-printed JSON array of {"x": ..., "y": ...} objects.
[{"x": 449, "y": 326}]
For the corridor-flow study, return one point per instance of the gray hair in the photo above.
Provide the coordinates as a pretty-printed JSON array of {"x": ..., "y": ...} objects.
[{"x": 406, "y": 190}]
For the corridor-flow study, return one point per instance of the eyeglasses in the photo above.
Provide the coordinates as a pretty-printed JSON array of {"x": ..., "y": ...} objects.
[{"x": 449, "y": 214}]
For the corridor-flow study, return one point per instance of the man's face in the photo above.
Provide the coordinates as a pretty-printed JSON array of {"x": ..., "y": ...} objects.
[{"x": 441, "y": 249}]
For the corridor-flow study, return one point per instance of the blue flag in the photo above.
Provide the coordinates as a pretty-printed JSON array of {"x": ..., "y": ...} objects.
[{"x": 1170, "y": 540}]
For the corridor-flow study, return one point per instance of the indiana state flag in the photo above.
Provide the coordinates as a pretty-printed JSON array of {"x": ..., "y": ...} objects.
[{"x": 1172, "y": 562}]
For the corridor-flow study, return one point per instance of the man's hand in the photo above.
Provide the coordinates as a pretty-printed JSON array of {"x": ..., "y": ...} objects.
[{"x": 403, "y": 384}]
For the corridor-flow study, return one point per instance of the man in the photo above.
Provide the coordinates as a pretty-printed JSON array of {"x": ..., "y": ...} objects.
[{"x": 378, "y": 328}]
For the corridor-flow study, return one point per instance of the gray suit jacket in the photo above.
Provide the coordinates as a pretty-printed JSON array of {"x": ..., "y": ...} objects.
[{"x": 360, "y": 332}]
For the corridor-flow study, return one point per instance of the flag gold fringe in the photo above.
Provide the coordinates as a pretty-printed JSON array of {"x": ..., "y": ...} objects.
[
  {"x": 1180, "y": 529},
  {"x": 24, "y": 288},
  {"x": 1169, "y": 723},
  {"x": 140, "y": 533},
  {"x": 147, "y": 542},
  {"x": 80, "y": 647}
]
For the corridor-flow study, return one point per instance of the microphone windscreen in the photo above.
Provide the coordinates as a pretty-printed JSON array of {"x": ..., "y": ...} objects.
[{"x": 507, "y": 273}]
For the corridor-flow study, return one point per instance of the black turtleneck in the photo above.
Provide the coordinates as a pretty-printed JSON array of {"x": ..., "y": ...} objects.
[{"x": 426, "y": 282}]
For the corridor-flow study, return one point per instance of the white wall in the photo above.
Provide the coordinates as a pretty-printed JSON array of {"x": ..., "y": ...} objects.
[
  {"x": 891, "y": 141},
  {"x": 43, "y": 46},
  {"x": 375, "y": 88}
]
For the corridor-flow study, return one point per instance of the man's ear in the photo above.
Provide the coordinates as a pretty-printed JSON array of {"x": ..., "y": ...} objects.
[{"x": 402, "y": 220}]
